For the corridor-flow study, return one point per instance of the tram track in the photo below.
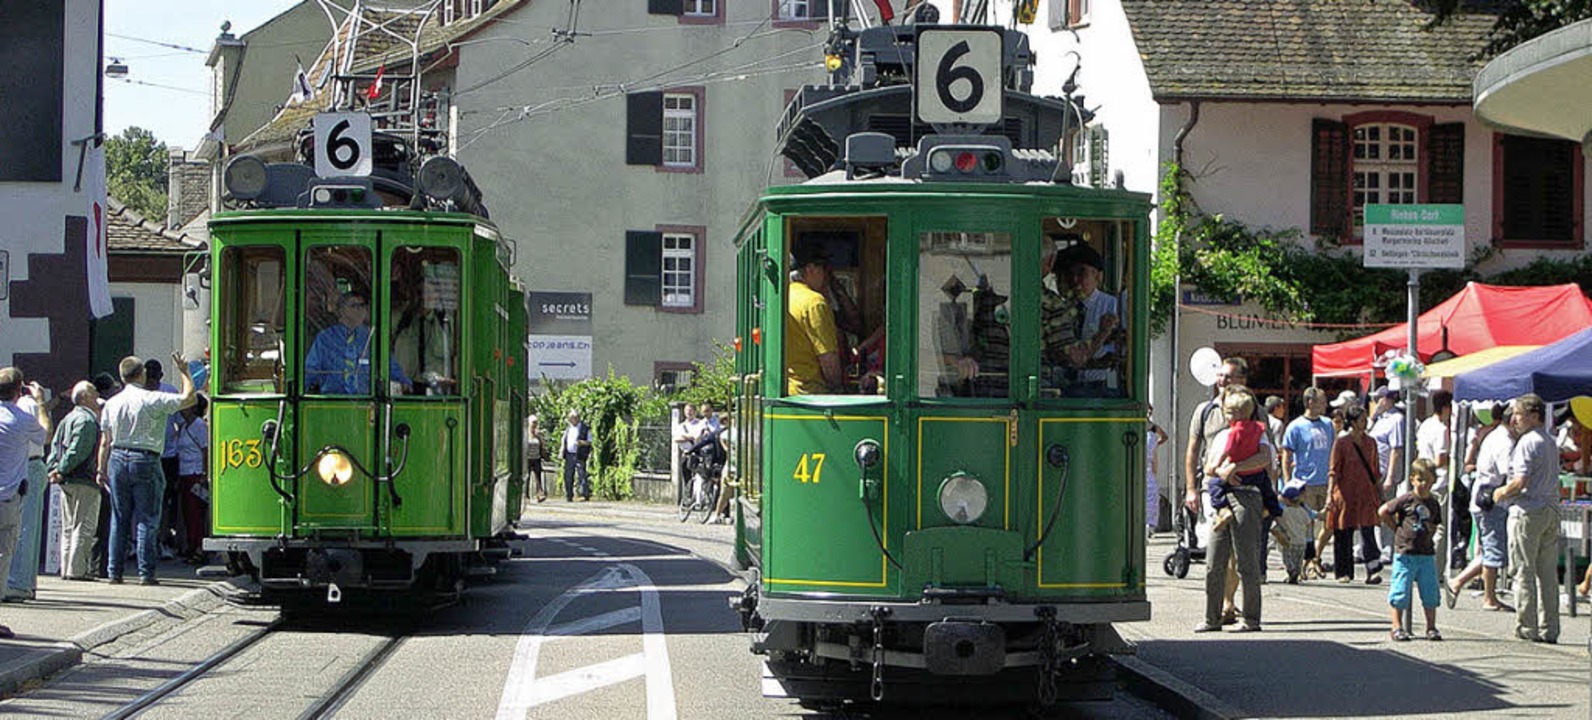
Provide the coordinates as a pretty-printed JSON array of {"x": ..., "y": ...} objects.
[{"x": 325, "y": 706}]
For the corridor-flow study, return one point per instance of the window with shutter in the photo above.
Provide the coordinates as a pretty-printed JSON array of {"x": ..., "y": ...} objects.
[
  {"x": 684, "y": 255},
  {"x": 644, "y": 128},
  {"x": 665, "y": 7},
  {"x": 1329, "y": 178},
  {"x": 1445, "y": 158},
  {"x": 643, "y": 267},
  {"x": 32, "y": 41},
  {"x": 1537, "y": 192}
]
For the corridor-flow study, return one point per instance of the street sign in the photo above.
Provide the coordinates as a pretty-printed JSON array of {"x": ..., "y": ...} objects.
[
  {"x": 957, "y": 80},
  {"x": 342, "y": 145},
  {"x": 1415, "y": 236},
  {"x": 560, "y": 329}
]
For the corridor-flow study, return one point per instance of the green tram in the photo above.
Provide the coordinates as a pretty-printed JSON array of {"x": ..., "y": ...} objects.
[
  {"x": 368, "y": 377},
  {"x": 929, "y": 528}
]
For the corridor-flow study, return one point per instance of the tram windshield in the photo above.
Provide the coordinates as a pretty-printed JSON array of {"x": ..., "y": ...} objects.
[
  {"x": 424, "y": 311},
  {"x": 964, "y": 342},
  {"x": 253, "y": 315},
  {"x": 1083, "y": 307},
  {"x": 337, "y": 283}
]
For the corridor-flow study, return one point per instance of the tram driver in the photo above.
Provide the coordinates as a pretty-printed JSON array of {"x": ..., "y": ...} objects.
[
  {"x": 812, "y": 344},
  {"x": 1096, "y": 320},
  {"x": 338, "y": 362}
]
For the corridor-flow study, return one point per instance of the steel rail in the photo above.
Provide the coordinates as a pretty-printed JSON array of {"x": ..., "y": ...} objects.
[
  {"x": 166, "y": 689},
  {"x": 351, "y": 681}
]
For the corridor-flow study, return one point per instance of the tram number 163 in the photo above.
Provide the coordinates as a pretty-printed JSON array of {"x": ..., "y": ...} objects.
[{"x": 239, "y": 453}]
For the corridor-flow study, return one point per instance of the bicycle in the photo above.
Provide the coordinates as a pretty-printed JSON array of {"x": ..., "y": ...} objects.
[{"x": 701, "y": 492}]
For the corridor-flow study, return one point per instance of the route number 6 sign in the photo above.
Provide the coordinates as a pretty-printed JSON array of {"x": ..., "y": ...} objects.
[
  {"x": 342, "y": 145},
  {"x": 957, "y": 80}
]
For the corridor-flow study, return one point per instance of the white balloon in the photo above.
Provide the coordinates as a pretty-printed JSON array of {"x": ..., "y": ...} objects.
[{"x": 1205, "y": 364}]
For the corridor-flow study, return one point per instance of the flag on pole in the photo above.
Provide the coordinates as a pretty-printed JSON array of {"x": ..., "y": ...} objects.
[
  {"x": 886, "y": 14},
  {"x": 96, "y": 263},
  {"x": 374, "y": 91},
  {"x": 302, "y": 91}
]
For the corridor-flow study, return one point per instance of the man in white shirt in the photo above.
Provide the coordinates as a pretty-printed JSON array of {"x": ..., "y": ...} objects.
[
  {"x": 576, "y": 446},
  {"x": 20, "y": 584},
  {"x": 1388, "y": 432},
  {"x": 133, "y": 437},
  {"x": 1431, "y": 438},
  {"x": 1533, "y": 521},
  {"x": 21, "y": 429}
]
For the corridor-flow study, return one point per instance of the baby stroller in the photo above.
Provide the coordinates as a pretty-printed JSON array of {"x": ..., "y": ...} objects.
[{"x": 1189, "y": 551}]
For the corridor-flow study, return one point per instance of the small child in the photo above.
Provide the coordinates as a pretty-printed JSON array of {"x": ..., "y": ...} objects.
[
  {"x": 1293, "y": 532},
  {"x": 1243, "y": 442},
  {"x": 1415, "y": 517}
]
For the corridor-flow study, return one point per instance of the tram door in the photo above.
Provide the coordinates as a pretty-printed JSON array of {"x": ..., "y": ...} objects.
[
  {"x": 255, "y": 357},
  {"x": 343, "y": 362},
  {"x": 422, "y": 295}
]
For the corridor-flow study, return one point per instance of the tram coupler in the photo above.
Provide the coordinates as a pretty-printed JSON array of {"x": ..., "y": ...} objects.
[{"x": 963, "y": 647}]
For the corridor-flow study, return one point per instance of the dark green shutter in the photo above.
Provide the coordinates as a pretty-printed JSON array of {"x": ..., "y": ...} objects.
[
  {"x": 1445, "y": 162},
  {"x": 643, "y": 267},
  {"x": 32, "y": 48},
  {"x": 644, "y": 128},
  {"x": 665, "y": 7},
  {"x": 111, "y": 337},
  {"x": 1329, "y": 178},
  {"x": 819, "y": 9},
  {"x": 1539, "y": 184}
]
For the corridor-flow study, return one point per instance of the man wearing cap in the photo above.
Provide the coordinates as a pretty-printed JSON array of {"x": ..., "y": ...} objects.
[
  {"x": 131, "y": 443},
  {"x": 1097, "y": 318},
  {"x": 1533, "y": 521},
  {"x": 71, "y": 465},
  {"x": 812, "y": 344},
  {"x": 1388, "y": 432}
]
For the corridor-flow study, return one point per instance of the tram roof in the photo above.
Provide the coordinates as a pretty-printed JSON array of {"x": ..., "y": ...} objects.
[
  {"x": 836, "y": 181},
  {"x": 347, "y": 215}
]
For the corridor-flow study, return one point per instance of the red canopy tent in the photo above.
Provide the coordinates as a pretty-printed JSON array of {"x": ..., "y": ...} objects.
[{"x": 1477, "y": 318}]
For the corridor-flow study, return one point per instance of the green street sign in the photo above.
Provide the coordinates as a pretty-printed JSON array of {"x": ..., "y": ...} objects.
[{"x": 1415, "y": 236}]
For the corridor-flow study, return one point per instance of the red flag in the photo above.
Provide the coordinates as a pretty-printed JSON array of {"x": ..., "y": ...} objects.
[
  {"x": 886, "y": 14},
  {"x": 375, "y": 88}
]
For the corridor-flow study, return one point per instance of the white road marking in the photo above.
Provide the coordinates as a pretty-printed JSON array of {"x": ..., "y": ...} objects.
[
  {"x": 598, "y": 623},
  {"x": 522, "y": 690}
]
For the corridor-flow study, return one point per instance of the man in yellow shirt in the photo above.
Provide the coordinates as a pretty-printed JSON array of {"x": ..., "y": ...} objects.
[{"x": 812, "y": 346}]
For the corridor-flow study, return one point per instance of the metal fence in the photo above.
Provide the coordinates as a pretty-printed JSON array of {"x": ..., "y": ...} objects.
[{"x": 654, "y": 441}]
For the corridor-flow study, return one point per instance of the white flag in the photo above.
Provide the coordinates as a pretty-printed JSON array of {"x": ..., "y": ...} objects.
[
  {"x": 95, "y": 249},
  {"x": 302, "y": 91}
]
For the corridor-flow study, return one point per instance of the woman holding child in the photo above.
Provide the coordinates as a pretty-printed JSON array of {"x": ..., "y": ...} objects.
[{"x": 1353, "y": 499}]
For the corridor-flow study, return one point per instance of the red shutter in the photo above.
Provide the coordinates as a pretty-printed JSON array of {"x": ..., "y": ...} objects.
[{"x": 1329, "y": 178}]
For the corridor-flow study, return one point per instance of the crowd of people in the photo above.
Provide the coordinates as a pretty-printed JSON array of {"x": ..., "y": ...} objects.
[
  {"x": 1339, "y": 466},
  {"x": 129, "y": 457}
]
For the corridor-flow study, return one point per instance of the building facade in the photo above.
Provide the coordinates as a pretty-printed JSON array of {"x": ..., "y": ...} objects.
[{"x": 48, "y": 178}]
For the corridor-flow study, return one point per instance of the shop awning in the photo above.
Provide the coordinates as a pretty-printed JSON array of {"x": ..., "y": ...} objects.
[
  {"x": 1476, "y": 318},
  {"x": 1557, "y": 372},
  {"x": 1475, "y": 361}
]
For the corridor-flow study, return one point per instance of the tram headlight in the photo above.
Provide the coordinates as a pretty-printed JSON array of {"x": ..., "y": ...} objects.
[
  {"x": 963, "y": 498},
  {"x": 335, "y": 469}
]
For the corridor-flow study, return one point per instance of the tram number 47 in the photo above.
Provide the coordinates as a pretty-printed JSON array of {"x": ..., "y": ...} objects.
[
  {"x": 809, "y": 468},
  {"x": 239, "y": 453}
]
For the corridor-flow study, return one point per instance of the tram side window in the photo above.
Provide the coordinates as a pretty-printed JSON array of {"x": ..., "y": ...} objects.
[
  {"x": 253, "y": 315},
  {"x": 425, "y": 323},
  {"x": 964, "y": 342},
  {"x": 835, "y": 306},
  {"x": 1084, "y": 346},
  {"x": 337, "y": 283}
]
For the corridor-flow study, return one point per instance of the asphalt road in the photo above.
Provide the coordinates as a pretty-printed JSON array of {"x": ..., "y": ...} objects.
[{"x": 598, "y": 618}]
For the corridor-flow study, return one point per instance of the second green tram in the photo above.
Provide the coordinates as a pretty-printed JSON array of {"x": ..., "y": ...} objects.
[{"x": 959, "y": 515}]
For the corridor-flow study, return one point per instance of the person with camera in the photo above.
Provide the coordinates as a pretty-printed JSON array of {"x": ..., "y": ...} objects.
[
  {"x": 1489, "y": 460},
  {"x": 24, "y": 424}
]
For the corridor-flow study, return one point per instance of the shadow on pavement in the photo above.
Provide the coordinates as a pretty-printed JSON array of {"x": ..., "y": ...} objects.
[{"x": 1332, "y": 679}]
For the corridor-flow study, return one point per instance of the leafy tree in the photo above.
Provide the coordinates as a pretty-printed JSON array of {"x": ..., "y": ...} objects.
[
  {"x": 135, "y": 172},
  {"x": 712, "y": 383},
  {"x": 610, "y": 406},
  {"x": 1518, "y": 20}
]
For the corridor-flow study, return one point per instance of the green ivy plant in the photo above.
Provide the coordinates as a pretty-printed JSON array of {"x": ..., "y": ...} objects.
[{"x": 1226, "y": 260}]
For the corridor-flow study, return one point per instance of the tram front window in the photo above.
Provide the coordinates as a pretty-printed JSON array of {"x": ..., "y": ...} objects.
[
  {"x": 253, "y": 312},
  {"x": 1083, "y": 323},
  {"x": 964, "y": 342},
  {"x": 424, "y": 312},
  {"x": 337, "y": 284}
]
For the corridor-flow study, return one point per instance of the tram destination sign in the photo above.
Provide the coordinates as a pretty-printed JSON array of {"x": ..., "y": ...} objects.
[{"x": 1415, "y": 236}]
